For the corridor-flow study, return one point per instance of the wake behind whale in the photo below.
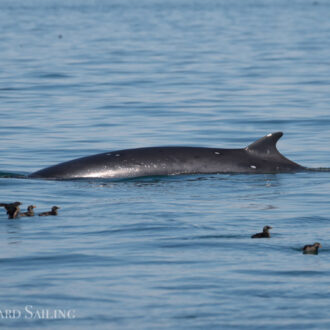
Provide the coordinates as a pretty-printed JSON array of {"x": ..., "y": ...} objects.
[{"x": 12, "y": 175}]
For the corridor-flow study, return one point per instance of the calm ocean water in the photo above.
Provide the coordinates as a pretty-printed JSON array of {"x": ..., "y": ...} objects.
[{"x": 79, "y": 77}]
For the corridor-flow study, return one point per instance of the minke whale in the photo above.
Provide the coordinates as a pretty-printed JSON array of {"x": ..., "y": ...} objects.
[{"x": 261, "y": 156}]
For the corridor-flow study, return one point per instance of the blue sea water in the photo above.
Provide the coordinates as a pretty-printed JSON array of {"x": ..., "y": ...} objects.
[{"x": 79, "y": 77}]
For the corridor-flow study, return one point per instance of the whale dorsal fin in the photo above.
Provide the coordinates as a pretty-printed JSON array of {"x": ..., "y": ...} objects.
[{"x": 266, "y": 145}]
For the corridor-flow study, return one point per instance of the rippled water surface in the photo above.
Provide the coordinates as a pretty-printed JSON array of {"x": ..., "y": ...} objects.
[{"x": 79, "y": 77}]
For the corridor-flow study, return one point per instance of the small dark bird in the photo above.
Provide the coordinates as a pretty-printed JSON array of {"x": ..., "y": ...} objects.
[
  {"x": 265, "y": 233},
  {"x": 29, "y": 213},
  {"x": 52, "y": 212},
  {"x": 312, "y": 249},
  {"x": 12, "y": 209}
]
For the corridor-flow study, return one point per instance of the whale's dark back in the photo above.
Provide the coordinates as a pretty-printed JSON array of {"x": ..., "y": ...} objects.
[{"x": 261, "y": 156}]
